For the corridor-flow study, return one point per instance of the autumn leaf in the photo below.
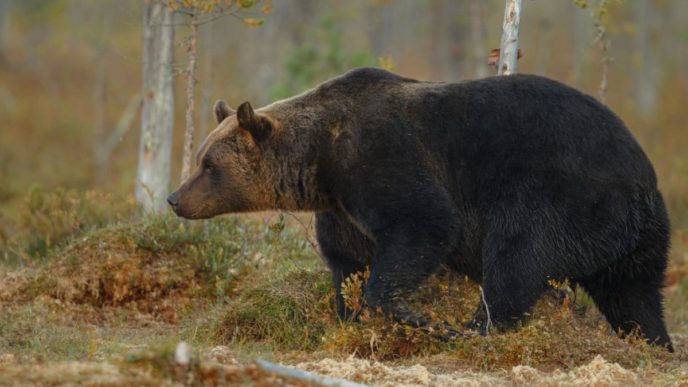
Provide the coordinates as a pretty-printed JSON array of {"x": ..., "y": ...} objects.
[
  {"x": 172, "y": 6},
  {"x": 267, "y": 8},
  {"x": 581, "y": 3},
  {"x": 493, "y": 59},
  {"x": 247, "y": 3},
  {"x": 387, "y": 63},
  {"x": 254, "y": 22}
]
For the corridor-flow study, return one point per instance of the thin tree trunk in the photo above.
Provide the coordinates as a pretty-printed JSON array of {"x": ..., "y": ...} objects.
[
  {"x": 508, "y": 54},
  {"x": 190, "y": 101},
  {"x": 207, "y": 37},
  {"x": 107, "y": 145},
  {"x": 478, "y": 40},
  {"x": 157, "y": 117},
  {"x": 604, "y": 44},
  {"x": 581, "y": 42},
  {"x": 646, "y": 75},
  {"x": 4, "y": 22},
  {"x": 100, "y": 102}
]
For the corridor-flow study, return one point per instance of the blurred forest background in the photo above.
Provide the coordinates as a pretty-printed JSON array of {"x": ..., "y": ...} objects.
[
  {"x": 70, "y": 68},
  {"x": 85, "y": 277}
]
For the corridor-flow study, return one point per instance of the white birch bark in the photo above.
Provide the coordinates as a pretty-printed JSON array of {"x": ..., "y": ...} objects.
[
  {"x": 190, "y": 100},
  {"x": 157, "y": 117},
  {"x": 508, "y": 54},
  {"x": 207, "y": 82}
]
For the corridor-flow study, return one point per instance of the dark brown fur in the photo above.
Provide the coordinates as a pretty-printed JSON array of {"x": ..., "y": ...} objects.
[{"x": 513, "y": 181}]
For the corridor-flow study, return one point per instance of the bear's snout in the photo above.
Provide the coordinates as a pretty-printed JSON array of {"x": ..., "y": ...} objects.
[{"x": 173, "y": 201}]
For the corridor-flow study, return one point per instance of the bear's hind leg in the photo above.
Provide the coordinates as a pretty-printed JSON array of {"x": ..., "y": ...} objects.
[
  {"x": 631, "y": 306},
  {"x": 628, "y": 292},
  {"x": 512, "y": 283}
]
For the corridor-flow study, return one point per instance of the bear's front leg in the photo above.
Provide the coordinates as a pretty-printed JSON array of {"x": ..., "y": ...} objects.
[
  {"x": 414, "y": 231},
  {"x": 402, "y": 263},
  {"x": 345, "y": 249}
]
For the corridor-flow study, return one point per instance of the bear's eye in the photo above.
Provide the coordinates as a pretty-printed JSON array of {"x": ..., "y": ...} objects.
[{"x": 208, "y": 168}]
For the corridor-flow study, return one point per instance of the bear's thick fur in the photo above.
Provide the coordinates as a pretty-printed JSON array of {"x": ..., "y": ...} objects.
[{"x": 512, "y": 181}]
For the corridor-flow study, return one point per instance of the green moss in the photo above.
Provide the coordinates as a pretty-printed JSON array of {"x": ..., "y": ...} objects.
[{"x": 284, "y": 305}]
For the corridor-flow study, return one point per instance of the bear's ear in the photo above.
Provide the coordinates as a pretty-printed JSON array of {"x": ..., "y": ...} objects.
[
  {"x": 222, "y": 110},
  {"x": 258, "y": 126}
]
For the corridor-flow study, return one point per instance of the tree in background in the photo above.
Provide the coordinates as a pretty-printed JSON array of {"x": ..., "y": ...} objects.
[
  {"x": 478, "y": 40},
  {"x": 309, "y": 64},
  {"x": 508, "y": 51},
  {"x": 157, "y": 117},
  {"x": 599, "y": 14},
  {"x": 202, "y": 12},
  {"x": 4, "y": 19},
  {"x": 646, "y": 57}
]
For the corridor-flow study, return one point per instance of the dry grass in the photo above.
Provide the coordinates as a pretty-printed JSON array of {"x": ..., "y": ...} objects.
[
  {"x": 122, "y": 286},
  {"x": 160, "y": 367}
]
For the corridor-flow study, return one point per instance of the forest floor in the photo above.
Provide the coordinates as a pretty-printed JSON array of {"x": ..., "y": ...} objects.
[{"x": 92, "y": 294}]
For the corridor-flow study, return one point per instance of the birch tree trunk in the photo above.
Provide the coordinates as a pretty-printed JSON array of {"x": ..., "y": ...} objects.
[
  {"x": 508, "y": 53},
  {"x": 190, "y": 101},
  {"x": 157, "y": 117},
  {"x": 207, "y": 83}
]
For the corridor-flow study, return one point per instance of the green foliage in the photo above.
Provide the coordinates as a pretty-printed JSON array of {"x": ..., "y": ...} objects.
[
  {"x": 47, "y": 220},
  {"x": 219, "y": 8},
  {"x": 309, "y": 64},
  {"x": 288, "y": 307},
  {"x": 580, "y": 3}
]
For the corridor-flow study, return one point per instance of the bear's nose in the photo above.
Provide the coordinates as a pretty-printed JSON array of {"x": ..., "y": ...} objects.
[{"x": 173, "y": 200}]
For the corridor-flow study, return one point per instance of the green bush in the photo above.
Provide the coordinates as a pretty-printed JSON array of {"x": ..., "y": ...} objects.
[{"x": 46, "y": 220}]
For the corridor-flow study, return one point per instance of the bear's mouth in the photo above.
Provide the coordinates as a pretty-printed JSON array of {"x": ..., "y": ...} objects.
[{"x": 197, "y": 213}]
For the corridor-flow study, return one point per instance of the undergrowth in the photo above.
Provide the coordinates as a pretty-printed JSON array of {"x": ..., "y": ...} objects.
[
  {"x": 44, "y": 221},
  {"x": 109, "y": 281}
]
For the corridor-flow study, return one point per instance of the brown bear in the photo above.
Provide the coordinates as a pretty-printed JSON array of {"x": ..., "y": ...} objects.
[{"x": 513, "y": 181}]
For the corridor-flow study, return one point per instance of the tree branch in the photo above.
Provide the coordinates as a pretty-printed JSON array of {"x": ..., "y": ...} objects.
[{"x": 303, "y": 376}]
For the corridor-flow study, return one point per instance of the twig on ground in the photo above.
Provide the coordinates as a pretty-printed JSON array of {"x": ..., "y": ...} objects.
[
  {"x": 303, "y": 376},
  {"x": 306, "y": 229},
  {"x": 488, "y": 323}
]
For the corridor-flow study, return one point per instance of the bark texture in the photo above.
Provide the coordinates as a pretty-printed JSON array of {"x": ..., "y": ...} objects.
[
  {"x": 157, "y": 118},
  {"x": 190, "y": 100},
  {"x": 508, "y": 54}
]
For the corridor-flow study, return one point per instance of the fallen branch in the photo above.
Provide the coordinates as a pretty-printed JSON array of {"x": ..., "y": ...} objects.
[
  {"x": 303, "y": 376},
  {"x": 488, "y": 323},
  {"x": 306, "y": 230}
]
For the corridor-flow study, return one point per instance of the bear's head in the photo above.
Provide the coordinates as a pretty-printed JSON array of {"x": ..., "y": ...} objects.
[{"x": 232, "y": 173}]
